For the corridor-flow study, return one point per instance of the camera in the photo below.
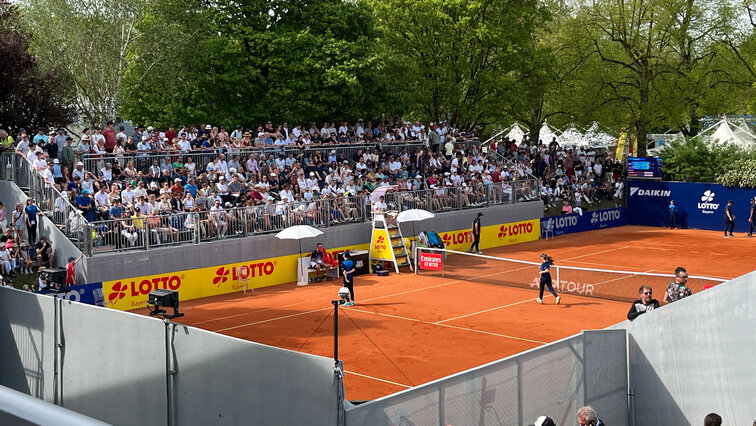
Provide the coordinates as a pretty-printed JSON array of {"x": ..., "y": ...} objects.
[{"x": 343, "y": 293}]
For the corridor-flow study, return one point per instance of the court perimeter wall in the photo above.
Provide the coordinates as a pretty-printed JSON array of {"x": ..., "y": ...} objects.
[
  {"x": 553, "y": 380},
  {"x": 127, "y": 369},
  {"x": 696, "y": 356},
  {"x": 226, "y": 266}
]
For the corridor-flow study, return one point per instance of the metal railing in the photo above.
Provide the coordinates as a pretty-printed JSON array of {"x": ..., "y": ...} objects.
[
  {"x": 53, "y": 204},
  {"x": 170, "y": 228},
  {"x": 201, "y": 158}
]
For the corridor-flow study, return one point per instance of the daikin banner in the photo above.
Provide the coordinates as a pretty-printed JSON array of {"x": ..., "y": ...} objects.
[{"x": 697, "y": 205}]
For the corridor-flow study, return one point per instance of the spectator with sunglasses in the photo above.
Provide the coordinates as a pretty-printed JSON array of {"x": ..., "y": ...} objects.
[
  {"x": 645, "y": 304},
  {"x": 678, "y": 288}
]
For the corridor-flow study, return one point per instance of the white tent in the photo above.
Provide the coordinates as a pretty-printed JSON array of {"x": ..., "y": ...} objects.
[
  {"x": 595, "y": 137},
  {"x": 516, "y": 133},
  {"x": 727, "y": 133},
  {"x": 546, "y": 134},
  {"x": 571, "y": 136}
]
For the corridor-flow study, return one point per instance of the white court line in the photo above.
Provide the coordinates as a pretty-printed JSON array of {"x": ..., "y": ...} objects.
[
  {"x": 484, "y": 311},
  {"x": 361, "y": 301},
  {"x": 598, "y": 252},
  {"x": 447, "y": 325},
  {"x": 380, "y": 380}
]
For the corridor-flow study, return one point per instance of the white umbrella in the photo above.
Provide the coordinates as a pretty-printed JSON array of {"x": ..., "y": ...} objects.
[
  {"x": 414, "y": 215},
  {"x": 379, "y": 192},
  {"x": 299, "y": 232}
]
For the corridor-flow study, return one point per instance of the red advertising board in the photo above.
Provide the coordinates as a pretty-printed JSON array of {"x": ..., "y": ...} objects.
[{"x": 431, "y": 261}]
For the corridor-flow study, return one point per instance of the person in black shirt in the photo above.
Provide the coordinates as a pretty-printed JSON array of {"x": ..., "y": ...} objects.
[
  {"x": 752, "y": 217},
  {"x": 475, "y": 247},
  {"x": 729, "y": 220},
  {"x": 645, "y": 304}
]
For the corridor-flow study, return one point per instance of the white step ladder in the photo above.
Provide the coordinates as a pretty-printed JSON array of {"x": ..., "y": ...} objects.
[{"x": 386, "y": 241}]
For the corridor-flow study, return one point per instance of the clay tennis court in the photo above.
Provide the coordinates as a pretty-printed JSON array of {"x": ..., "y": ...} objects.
[{"x": 409, "y": 329}]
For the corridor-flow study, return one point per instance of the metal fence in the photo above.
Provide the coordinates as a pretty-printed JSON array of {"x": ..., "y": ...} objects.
[
  {"x": 144, "y": 232},
  {"x": 201, "y": 158},
  {"x": 57, "y": 207}
]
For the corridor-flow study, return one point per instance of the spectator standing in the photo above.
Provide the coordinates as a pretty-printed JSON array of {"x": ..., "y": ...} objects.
[
  {"x": 110, "y": 137},
  {"x": 645, "y": 304},
  {"x": 729, "y": 220},
  {"x": 3, "y": 218},
  {"x": 751, "y": 217},
  {"x": 19, "y": 219},
  {"x": 71, "y": 270},
  {"x": 677, "y": 289},
  {"x": 30, "y": 214},
  {"x": 587, "y": 416}
]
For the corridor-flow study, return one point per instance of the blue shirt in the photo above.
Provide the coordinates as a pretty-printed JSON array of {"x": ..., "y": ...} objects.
[
  {"x": 191, "y": 188},
  {"x": 348, "y": 265},
  {"x": 545, "y": 266},
  {"x": 31, "y": 212},
  {"x": 672, "y": 208}
]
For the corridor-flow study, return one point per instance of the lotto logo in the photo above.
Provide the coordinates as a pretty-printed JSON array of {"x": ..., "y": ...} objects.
[
  {"x": 143, "y": 287},
  {"x": 707, "y": 196},
  {"x": 221, "y": 276},
  {"x": 380, "y": 240},
  {"x": 516, "y": 229}
]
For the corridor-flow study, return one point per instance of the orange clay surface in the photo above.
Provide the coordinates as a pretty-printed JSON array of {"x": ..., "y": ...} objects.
[{"x": 409, "y": 329}]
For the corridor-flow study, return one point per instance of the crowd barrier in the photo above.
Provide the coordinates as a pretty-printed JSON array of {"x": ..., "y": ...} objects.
[
  {"x": 95, "y": 162},
  {"x": 588, "y": 221},
  {"x": 699, "y": 205}
]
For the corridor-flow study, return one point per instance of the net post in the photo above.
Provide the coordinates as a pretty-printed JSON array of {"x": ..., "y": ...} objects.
[{"x": 416, "y": 251}]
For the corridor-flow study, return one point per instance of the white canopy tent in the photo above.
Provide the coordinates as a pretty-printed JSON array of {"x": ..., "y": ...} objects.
[
  {"x": 571, "y": 136},
  {"x": 595, "y": 137},
  {"x": 726, "y": 133},
  {"x": 516, "y": 133},
  {"x": 546, "y": 134}
]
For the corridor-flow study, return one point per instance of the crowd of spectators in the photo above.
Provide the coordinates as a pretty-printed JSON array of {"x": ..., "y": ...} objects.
[
  {"x": 159, "y": 177},
  {"x": 575, "y": 177}
]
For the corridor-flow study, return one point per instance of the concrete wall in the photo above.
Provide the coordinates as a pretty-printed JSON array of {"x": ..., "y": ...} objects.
[
  {"x": 10, "y": 195},
  {"x": 696, "y": 356},
  {"x": 116, "y": 266},
  {"x": 113, "y": 367}
]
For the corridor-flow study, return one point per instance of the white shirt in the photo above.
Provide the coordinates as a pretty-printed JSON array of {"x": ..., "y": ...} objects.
[{"x": 102, "y": 199}]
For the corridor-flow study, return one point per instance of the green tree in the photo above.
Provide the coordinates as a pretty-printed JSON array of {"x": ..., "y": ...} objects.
[
  {"x": 236, "y": 62},
  {"x": 459, "y": 60},
  {"x": 91, "y": 42},
  {"x": 29, "y": 95}
]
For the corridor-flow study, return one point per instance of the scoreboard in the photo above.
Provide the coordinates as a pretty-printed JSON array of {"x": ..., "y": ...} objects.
[{"x": 644, "y": 167}]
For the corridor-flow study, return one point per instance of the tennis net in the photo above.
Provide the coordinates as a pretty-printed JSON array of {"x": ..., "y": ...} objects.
[{"x": 589, "y": 282}]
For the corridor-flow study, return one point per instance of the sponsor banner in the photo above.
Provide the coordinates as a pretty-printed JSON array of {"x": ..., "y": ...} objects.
[
  {"x": 91, "y": 294},
  {"x": 494, "y": 235},
  {"x": 431, "y": 261},
  {"x": 589, "y": 221},
  {"x": 380, "y": 247},
  {"x": 699, "y": 205},
  {"x": 566, "y": 286},
  {"x": 131, "y": 293}
]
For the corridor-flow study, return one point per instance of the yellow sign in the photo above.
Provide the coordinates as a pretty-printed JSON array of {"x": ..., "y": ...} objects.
[
  {"x": 191, "y": 284},
  {"x": 380, "y": 245}
]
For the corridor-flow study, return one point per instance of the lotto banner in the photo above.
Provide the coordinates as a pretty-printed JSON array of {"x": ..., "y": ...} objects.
[
  {"x": 191, "y": 284},
  {"x": 380, "y": 246},
  {"x": 494, "y": 235},
  {"x": 589, "y": 221},
  {"x": 699, "y": 205}
]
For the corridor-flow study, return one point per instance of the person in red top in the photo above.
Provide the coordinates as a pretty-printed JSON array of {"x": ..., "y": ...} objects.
[
  {"x": 71, "y": 270},
  {"x": 171, "y": 133},
  {"x": 110, "y": 137}
]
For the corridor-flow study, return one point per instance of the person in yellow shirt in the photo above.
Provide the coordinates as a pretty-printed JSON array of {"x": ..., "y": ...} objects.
[{"x": 6, "y": 141}]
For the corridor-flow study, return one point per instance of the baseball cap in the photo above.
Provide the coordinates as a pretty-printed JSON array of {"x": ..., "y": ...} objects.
[
  {"x": 69, "y": 138},
  {"x": 79, "y": 163},
  {"x": 208, "y": 127},
  {"x": 149, "y": 128},
  {"x": 84, "y": 191},
  {"x": 56, "y": 161},
  {"x": 177, "y": 180},
  {"x": 544, "y": 421}
]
